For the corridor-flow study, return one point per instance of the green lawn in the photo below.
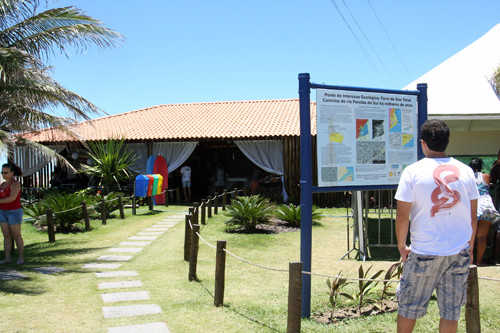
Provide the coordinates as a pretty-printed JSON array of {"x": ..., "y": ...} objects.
[{"x": 255, "y": 299}]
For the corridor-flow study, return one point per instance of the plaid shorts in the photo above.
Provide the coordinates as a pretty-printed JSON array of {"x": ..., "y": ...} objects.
[{"x": 424, "y": 273}]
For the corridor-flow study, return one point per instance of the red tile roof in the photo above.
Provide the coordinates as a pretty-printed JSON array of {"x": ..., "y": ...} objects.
[{"x": 239, "y": 119}]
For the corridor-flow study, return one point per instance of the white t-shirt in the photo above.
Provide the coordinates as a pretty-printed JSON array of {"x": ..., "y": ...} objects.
[
  {"x": 440, "y": 190},
  {"x": 186, "y": 173}
]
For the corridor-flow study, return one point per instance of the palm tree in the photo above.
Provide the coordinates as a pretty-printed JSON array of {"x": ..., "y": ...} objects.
[
  {"x": 110, "y": 163},
  {"x": 27, "y": 91}
]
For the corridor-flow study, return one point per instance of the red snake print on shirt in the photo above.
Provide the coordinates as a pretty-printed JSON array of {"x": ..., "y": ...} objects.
[{"x": 443, "y": 197}]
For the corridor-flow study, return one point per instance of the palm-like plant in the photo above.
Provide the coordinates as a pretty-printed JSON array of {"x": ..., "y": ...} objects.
[
  {"x": 110, "y": 162},
  {"x": 292, "y": 214},
  {"x": 248, "y": 212},
  {"x": 27, "y": 91}
]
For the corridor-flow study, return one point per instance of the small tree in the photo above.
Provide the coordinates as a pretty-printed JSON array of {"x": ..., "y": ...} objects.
[{"x": 111, "y": 161}]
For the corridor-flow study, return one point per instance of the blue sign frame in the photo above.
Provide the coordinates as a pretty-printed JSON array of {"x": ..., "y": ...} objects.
[{"x": 306, "y": 187}]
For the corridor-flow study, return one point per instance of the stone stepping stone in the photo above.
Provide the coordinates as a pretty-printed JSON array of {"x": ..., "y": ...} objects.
[
  {"x": 134, "y": 243},
  {"x": 49, "y": 269},
  {"x": 101, "y": 266},
  {"x": 157, "y": 227},
  {"x": 11, "y": 275},
  {"x": 126, "y": 249},
  {"x": 116, "y": 273},
  {"x": 119, "y": 284},
  {"x": 114, "y": 258},
  {"x": 125, "y": 296},
  {"x": 130, "y": 310},
  {"x": 141, "y": 328},
  {"x": 143, "y": 237},
  {"x": 150, "y": 233}
]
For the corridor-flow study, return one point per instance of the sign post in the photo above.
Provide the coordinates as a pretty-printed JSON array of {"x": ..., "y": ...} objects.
[{"x": 365, "y": 138}]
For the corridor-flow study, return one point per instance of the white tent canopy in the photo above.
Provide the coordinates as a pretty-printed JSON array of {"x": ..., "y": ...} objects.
[{"x": 460, "y": 91}]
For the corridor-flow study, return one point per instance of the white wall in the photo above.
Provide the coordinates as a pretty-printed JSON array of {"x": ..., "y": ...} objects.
[{"x": 474, "y": 143}]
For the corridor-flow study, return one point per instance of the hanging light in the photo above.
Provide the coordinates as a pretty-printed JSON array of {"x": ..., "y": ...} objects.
[{"x": 74, "y": 156}]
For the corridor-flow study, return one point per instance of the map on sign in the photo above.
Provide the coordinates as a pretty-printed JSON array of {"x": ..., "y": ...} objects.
[{"x": 364, "y": 138}]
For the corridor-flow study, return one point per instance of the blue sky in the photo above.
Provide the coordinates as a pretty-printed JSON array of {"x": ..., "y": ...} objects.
[{"x": 223, "y": 50}]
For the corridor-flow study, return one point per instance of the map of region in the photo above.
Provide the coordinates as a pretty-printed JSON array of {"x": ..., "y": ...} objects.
[
  {"x": 395, "y": 120},
  {"x": 346, "y": 174},
  {"x": 336, "y": 137},
  {"x": 362, "y": 129},
  {"x": 408, "y": 141}
]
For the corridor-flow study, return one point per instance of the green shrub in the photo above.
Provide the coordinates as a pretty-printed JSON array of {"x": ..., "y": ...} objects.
[
  {"x": 37, "y": 212},
  {"x": 248, "y": 212},
  {"x": 66, "y": 209},
  {"x": 291, "y": 214}
]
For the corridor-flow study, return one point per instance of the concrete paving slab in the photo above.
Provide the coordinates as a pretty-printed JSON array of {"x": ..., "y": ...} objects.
[
  {"x": 143, "y": 237},
  {"x": 134, "y": 243},
  {"x": 125, "y": 296},
  {"x": 141, "y": 328},
  {"x": 125, "y": 249},
  {"x": 110, "y": 257},
  {"x": 153, "y": 228},
  {"x": 101, "y": 266},
  {"x": 116, "y": 273},
  {"x": 130, "y": 310},
  {"x": 11, "y": 275},
  {"x": 150, "y": 233},
  {"x": 119, "y": 284},
  {"x": 49, "y": 269}
]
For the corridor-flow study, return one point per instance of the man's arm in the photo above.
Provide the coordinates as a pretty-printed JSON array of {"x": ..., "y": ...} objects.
[
  {"x": 473, "y": 218},
  {"x": 402, "y": 225}
]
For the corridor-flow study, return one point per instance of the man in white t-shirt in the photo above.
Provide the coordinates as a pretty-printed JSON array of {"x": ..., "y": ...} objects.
[
  {"x": 186, "y": 182},
  {"x": 441, "y": 195}
]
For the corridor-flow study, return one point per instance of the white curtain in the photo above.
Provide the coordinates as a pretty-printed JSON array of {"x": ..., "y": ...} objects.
[
  {"x": 175, "y": 153},
  {"x": 267, "y": 155},
  {"x": 31, "y": 160},
  {"x": 140, "y": 151}
]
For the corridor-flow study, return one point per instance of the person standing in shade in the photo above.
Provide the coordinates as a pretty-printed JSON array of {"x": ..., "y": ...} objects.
[
  {"x": 486, "y": 212},
  {"x": 186, "y": 182},
  {"x": 220, "y": 178},
  {"x": 495, "y": 181},
  {"x": 440, "y": 194},
  {"x": 11, "y": 213}
]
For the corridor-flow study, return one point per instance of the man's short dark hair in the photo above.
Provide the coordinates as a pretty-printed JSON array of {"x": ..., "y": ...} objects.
[{"x": 436, "y": 134}]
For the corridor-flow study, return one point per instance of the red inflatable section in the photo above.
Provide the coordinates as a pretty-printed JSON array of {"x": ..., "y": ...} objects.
[{"x": 160, "y": 168}]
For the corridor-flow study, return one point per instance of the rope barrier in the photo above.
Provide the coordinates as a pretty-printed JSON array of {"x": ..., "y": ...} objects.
[
  {"x": 257, "y": 265},
  {"x": 347, "y": 278},
  {"x": 204, "y": 241},
  {"x": 487, "y": 278}
]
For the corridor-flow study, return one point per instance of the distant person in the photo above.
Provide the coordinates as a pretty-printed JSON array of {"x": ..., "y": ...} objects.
[
  {"x": 11, "y": 213},
  {"x": 186, "y": 182},
  {"x": 486, "y": 212},
  {"x": 495, "y": 181},
  {"x": 220, "y": 178},
  {"x": 440, "y": 194},
  {"x": 254, "y": 180}
]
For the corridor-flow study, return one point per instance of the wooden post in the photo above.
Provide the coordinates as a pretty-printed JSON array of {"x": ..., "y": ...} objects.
[
  {"x": 236, "y": 192},
  {"x": 196, "y": 212},
  {"x": 166, "y": 197},
  {"x": 187, "y": 238},
  {"x": 203, "y": 211},
  {"x": 120, "y": 203},
  {"x": 216, "y": 203},
  {"x": 85, "y": 213},
  {"x": 193, "y": 260},
  {"x": 220, "y": 273},
  {"x": 209, "y": 207},
  {"x": 103, "y": 211},
  {"x": 294, "y": 297},
  {"x": 472, "y": 320},
  {"x": 224, "y": 200},
  {"x": 50, "y": 225},
  {"x": 245, "y": 191},
  {"x": 134, "y": 209},
  {"x": 150, "y": 202}
]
